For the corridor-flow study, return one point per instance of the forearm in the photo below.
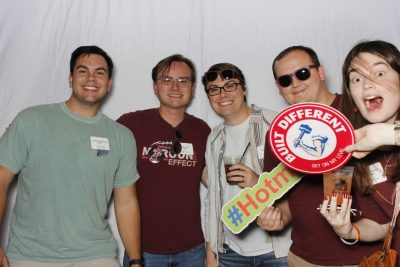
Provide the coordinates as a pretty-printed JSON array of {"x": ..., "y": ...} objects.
[
  {"x": 6, "y": 178},
  {"x": 127, "y": 213},
  {"x": 129, "y": 229},
  {"x": 3, "y": 201},
  {"x": 204, "y": 177},
  {"x": 211, "y": 259},
  {"x": 369, "y": 231}
]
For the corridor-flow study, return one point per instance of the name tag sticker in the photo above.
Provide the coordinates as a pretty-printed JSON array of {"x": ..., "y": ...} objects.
[
  {"x": 99, "y": 143},
  {"x": 187, "y": 149},
  {"x": 377, "y": 173}
]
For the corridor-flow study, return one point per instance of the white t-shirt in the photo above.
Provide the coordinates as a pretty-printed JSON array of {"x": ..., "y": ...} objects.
[{"x": 253, "y": 241}]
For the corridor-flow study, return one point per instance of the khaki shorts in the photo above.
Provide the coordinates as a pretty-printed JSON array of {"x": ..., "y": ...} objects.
[
  {"x": 294, "y": 261},
  {"x": 109, "y": 262}
]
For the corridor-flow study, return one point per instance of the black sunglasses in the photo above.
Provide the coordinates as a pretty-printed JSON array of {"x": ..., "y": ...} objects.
[
  {"x": 224, "y": 74},
  {"x": 301, "y": 74},
  {"x": 176, "y": 145}
]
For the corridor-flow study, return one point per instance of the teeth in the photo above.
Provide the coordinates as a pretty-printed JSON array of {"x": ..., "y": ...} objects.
[
  {"x": 92, "y": 88},
  {"x": 370, "y": 97},
  {"x": 225, "y": 103}
]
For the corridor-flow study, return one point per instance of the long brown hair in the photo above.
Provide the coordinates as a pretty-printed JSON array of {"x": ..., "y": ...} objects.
[{"x": 387, "y": 51}]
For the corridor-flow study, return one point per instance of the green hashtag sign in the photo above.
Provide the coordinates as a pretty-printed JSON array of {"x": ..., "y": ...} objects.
[{"x": 240, "y": 211}]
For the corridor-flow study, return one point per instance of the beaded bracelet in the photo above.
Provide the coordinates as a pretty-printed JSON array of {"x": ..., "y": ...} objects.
[{"x": 357, "y": 239}]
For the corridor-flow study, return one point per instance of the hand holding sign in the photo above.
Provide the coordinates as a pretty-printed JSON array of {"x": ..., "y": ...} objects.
[
  {"x": 240, "y": 211},
  {"x": 271, "y": 219}
]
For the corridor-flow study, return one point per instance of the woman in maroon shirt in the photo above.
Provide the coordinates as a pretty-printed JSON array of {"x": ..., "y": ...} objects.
[{"x": 371, "y": 96}]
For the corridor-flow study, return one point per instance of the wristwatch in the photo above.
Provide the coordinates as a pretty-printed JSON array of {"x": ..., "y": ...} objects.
[{"x": 135, "y": 261}]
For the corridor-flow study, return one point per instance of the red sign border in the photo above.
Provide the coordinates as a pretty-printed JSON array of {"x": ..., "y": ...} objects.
[{"x": 308, "y": 170}]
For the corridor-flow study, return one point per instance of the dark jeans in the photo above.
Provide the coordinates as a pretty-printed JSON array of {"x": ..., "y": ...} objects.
[
  {"x": 233, "y": 259},
  {"x": 190, "y": 258}
]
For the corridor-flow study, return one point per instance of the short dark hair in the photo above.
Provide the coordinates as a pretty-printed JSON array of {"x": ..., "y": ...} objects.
[
  {"x": 310, "y": 52},
  {"x": 225, "y": 66},
  {"x": 90, "y": 50},
  {"x": 165, "y": 64}
]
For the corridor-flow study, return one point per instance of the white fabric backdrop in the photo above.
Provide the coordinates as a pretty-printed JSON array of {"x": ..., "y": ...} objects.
[{"x": 37, "y": 38}]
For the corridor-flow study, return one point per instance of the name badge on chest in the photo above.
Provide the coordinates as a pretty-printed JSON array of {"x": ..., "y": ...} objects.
[
  {"x": 99, "y": 143},
  {"x": 187, "y": 149}
]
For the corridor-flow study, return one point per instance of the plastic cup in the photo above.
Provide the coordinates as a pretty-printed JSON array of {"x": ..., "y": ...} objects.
[
  {"x": 228, "y": 162},
  {"x": 338, "y": 181}
]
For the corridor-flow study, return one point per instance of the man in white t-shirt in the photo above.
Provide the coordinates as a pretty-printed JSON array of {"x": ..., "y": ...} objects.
[{"x": 242, "y": 134}]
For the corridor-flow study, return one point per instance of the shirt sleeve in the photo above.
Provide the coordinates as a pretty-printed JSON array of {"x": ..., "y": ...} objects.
[
  {"x": 14, "y": 145},
  {"x": 127, "y": 173}
]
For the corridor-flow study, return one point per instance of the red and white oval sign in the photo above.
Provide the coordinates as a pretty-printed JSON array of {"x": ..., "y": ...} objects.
[{"x": 311, "y": 137}]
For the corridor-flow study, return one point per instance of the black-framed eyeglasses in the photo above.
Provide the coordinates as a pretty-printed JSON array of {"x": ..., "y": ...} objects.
[
  {"x": 182, "y": 82},
  {"x": 176, "y": 145},
  {"x": 224, "y": 74},
  {"x": 301, "y": 74},
  {"x": 216, "y": 90}
]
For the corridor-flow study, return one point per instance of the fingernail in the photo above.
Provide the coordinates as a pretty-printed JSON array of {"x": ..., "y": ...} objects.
[
  {"x": 334, "y": 194},
  {"x": 350, "y": 197},
  {"x": 326, "y": 197},
  {"x": 345, "y": 196}
]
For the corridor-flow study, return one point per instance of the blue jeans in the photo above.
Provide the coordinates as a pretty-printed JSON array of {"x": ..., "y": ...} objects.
[
  {"x": 190, "y": 258},
  {"x": 233, "y": 259}
]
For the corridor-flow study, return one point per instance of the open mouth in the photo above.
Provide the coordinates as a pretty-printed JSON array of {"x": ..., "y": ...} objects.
[{"x": 373, "y": 102}]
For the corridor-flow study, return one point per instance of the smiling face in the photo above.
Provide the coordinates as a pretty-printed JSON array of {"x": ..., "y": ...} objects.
[
  {"x": 89, "y": 81},
  {"x": 231, "y": 106},
  {"x": 174, "y": 96},
  {"x": 375, "y": 88},
  {"x": 310, "y": 90}
]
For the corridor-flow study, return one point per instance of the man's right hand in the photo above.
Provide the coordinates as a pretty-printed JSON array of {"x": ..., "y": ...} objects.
[
  {"x": 3, "y": 259},
  {"x": 211, "y": 260},
  {"x": 270, "y": 219}
]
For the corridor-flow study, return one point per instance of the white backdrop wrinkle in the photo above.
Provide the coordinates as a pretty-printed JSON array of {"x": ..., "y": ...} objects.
[{"x": 37, "y": 38}]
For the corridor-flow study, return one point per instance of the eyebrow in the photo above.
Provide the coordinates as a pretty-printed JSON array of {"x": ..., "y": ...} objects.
[
  {"x": 97, "y": 69},
  {"x": 373, "y": 65}
]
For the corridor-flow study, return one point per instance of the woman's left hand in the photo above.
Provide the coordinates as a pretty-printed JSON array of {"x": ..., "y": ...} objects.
[{"x": 338, "y": 217}]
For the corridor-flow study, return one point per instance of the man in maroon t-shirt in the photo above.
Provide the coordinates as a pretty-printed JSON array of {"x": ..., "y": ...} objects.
[
  {"x": 171, "y": 148},
  {"x": 300, "y": 78}
]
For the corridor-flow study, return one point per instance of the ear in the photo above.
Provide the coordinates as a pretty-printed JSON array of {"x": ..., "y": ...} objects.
[
  {"x": 321, "y": 72},
  {"x": 109, "y": 86},
  {"x": 193, "y": 90},
  {"x": 278, "y": 86},
  {"x": 70, "y": 80},
  {"x": 155, "y": 88}
]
